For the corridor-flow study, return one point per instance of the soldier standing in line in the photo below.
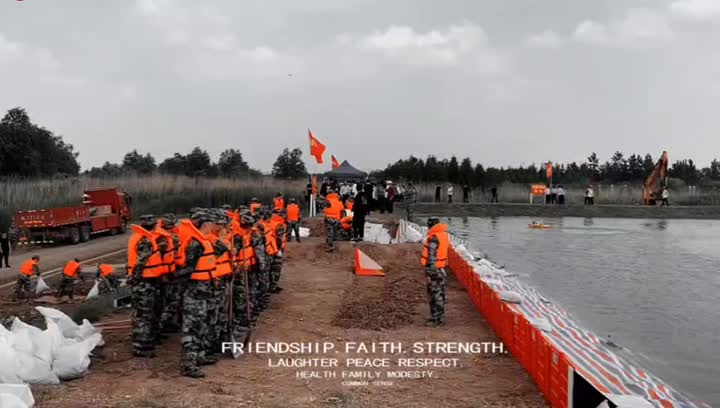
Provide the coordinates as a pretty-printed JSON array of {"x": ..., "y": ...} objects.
[
  {"x": 271, "y": 250},
  {"x": 196, "y": 265},
  {"x": 279, "y": 226},
  {"x": 435, "y": 260},
  {"x": 173, "y": 287},
  {"x": 248, "y": 243},
  {"x": 70, "y": 273},
  {"x": 410, "y": 198},
  {"x": 144, "y": 271},
  {"x": 222, "y": 241},
  {"x": 29, "y": 269}
]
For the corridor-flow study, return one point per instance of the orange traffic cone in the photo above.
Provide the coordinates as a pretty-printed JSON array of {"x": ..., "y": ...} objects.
[{"x": 365, "y": 266}]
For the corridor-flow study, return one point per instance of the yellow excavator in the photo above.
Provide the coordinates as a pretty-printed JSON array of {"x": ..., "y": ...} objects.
[{"x": 656, "y": 181}]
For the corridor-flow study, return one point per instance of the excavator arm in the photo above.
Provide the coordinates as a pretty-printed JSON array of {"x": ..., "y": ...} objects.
[{"x": 656, "y": 180}]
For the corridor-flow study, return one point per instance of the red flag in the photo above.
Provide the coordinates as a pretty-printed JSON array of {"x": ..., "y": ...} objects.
[
  {"x": 316, "y": 148},
  {"x": 335, "y": 163},
  {"x": 548, "y": 170}
]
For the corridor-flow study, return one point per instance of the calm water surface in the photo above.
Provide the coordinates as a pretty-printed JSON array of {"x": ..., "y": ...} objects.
[{"x": 654, "y": 285}]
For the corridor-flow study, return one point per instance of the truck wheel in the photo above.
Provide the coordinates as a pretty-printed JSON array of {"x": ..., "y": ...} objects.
[
  {"x": 74, "y": 235},
  {"x": 85, "y": 233}
]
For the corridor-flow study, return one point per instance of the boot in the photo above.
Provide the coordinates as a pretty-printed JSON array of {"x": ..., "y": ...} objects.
[
  {"x": 193, "y": 373},
  {"x": 207, "y": 360},
  {"x": 144, "y": 353}
]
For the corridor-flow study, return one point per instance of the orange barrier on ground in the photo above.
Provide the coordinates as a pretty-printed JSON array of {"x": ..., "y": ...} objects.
[
  {"x": 365, "y": 266},
  {"x": 547, "y": 366}
]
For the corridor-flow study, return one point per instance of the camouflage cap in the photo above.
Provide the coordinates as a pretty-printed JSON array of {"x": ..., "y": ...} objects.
[
  {"x": 293, "y": 201},
  {"x": 226, "y": 207},
  {"x": 254, "y": 200},
  {"x": 199, "y": 217},
  {"x": 169, "y": 220},
  {"x": 247, "y": 219},
  {"x": 194, "y": 210},
  {"x": 433, "y": 221},
  {"x": 220, "y": 216},
  {"x": 147, "y": 219}
]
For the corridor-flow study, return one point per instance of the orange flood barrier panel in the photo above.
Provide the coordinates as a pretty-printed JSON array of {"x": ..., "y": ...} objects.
[{"x": 365, "y": 266}]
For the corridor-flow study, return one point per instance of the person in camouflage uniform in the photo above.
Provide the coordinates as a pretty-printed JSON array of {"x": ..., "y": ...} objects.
[
  {"x": 67, "y": 283},
  {"x": 195, "y": 301},
  {"x": 333, "y": 211},
  {"x": 410, "y": 198},
  {"x": 23, "y": 286},
  {"x": 144, "y": 293},
  {"x": 280, "y": 222},
  {"x": 219, "y": 312},
  {"x": 257, "y": 241},
  {"x": 108, "y": 281},
  {"x": 245, "y": 268},
  {"x": 436, "y": 243},
  {"x": 174, "y": 288},
  {"x": 261, "y": 298}
]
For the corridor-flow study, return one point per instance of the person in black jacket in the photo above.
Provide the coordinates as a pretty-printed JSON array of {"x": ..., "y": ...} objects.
[
  {"x": 4, "y": 249},
  {"x": 359, "y": 212}
]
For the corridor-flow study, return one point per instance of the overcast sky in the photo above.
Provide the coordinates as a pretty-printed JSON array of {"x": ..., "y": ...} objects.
[{"x": 505, "y": 82}]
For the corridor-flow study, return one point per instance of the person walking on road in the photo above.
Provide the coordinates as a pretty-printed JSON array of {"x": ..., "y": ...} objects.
[
  {"x": 435, "y": 260},
  {"x": 466, "y": 193},
  {"x": 438, "y": 192},
  {"x": 4, "y": 249},
  {"x": 410, "y": 198},
  {"x": 450, "y": 193}
]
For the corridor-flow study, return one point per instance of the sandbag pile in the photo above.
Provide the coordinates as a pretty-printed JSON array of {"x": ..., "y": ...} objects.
[
  {"x": 60, "y": 352},
  {"x": 376, "y": 233}
]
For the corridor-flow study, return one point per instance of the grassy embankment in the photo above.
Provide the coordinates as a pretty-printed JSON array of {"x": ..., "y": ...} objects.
[{"x": 151, "y": 194}]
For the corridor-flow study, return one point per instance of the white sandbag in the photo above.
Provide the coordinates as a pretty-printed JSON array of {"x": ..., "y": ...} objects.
[
  {"x": 542, "y": 324},
  {"x": 11, "y": 401},
  {"x": 72, "y": 361},
  {"x": 41, "y": 285},
  {"x": 95, "y": 291},
  {"x": 604, "y": 404},
  {"x": 42, "y": 341},
  {"x": 67, "y": 326},
  {"x": 376, "y": 233},
  {"x": 491, "y": 281},
  {"x": 304, "y": 232},
  {"x": 4, "y": 332},
  {"x": 7, "y": 364},
  {"x": 411, "y": 235},
  {"x": 510, "y": 296},
  {"x": 33, "y": 370},
  {"x": 16, "y": 394}
]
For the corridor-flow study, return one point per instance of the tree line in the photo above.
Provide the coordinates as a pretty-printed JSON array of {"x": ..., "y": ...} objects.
[
  {"x": 618, "y": 169},
  {"x": 28, "y": 150}
]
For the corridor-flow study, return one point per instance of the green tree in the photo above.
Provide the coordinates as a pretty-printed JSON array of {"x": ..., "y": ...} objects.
[
  {"x": 198, "y": 163},
  {"x": 453, "y": 170},
  {"x": 467, "y": 174},
  {"x": 289, "y": 165},
  {"x": 28, "y": 150},
  {"x": 175, "y": 165},
  {"x": 231, "y": 164},
  {"x": 134, "y": 162}
]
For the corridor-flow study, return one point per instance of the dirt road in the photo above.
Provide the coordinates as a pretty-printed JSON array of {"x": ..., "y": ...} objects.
[
  {"x": 57, "y": 256},
  {"x": 323, "y": 301}
]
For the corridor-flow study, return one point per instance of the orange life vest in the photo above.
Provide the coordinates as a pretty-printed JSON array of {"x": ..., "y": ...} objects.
[
  {"x": 349, "y": 205},
  {"x": 278, "y": 203},
  {"x": 206, "y": 264},
  {"x": 223, "y": 263},
  {"x": 168, "y": 258},
  {"x": 438, "y": 231},
  {"x": 271, "y": 247},
  {"x": 153, "y": 267},
  {"x": 278, "y": 222},
  {"x": 245, "y": 258},
  {"x": 334, "y": 210},
  {"x": 293, "y": 212},
  {"x": 184, "y": 234},
  {"x": 27, "y": 267},
  {"x": 71, "y": 269},
  {"x": 106, "y": 270},
  {"x": 346, "y": 223},
  {"x": 254, "y": 207}
]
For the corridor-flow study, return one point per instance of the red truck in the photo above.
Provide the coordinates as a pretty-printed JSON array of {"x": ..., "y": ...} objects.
[{"x": 103, "y": 210}]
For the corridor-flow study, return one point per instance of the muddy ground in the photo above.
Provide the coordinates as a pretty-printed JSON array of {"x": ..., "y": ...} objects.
[{"x": 323, "y": 301}]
